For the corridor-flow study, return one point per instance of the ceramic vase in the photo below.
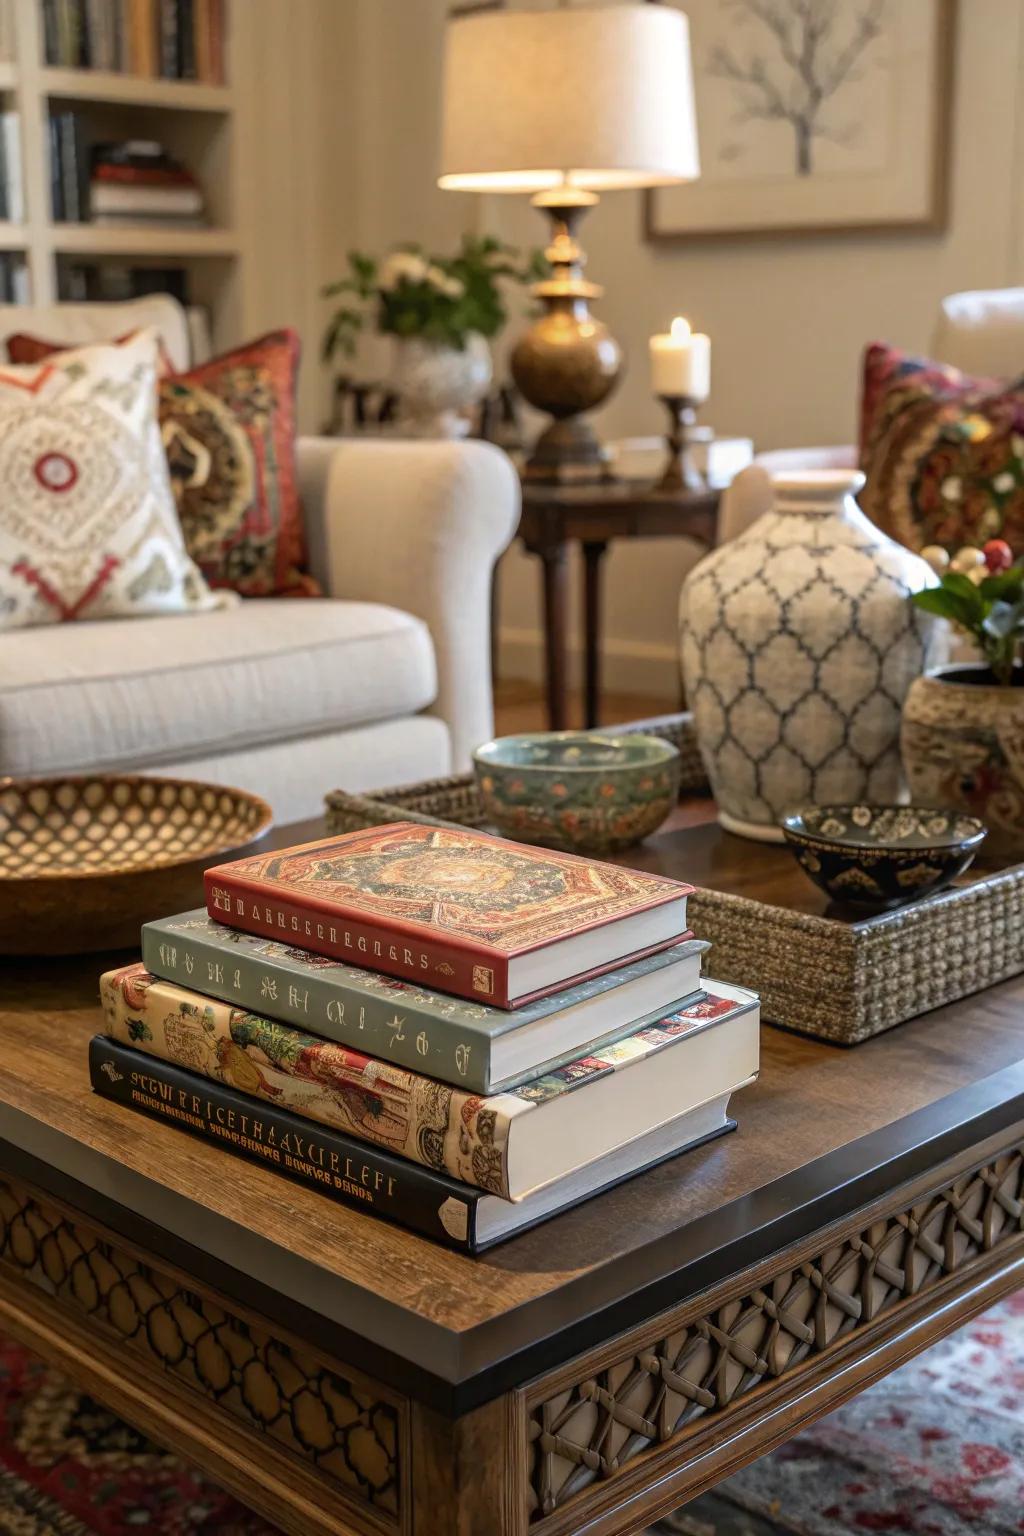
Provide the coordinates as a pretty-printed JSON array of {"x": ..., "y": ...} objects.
[
  {"x": 963, "y": 750},
  {"x": 437, "y": 385},
  {"x": 798, "y": 646}
]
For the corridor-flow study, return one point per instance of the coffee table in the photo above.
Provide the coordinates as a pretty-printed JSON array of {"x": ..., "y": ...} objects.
[{"x": 343, "y": 1376}]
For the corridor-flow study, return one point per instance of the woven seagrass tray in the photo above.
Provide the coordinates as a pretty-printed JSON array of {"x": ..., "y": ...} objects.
[{"x": 833, "y": 977}]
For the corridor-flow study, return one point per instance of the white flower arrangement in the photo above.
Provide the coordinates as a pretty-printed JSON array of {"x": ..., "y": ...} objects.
[{"x": 440, "y": 299}]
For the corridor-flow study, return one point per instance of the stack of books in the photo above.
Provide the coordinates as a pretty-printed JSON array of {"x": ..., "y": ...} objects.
[
  {"x": 172, "y": 39},
  {"x": 138, "y": 182},
  {"x": 456, "y": 1032},
  {"x": 80, "y": 282}
]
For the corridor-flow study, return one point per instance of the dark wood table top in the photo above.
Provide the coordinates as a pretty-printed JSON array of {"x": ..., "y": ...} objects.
[
  {"x": 617, "y": 509},
  {"x": 824, "y": 1131}
]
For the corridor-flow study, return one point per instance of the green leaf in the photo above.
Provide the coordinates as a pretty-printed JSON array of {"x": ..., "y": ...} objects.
[
  {"x": 947, "y": 604},
  {"x": 1006, "y": 585}
]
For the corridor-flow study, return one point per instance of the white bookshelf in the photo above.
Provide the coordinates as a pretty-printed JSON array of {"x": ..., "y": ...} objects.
[{"x": 193, "y": 119}]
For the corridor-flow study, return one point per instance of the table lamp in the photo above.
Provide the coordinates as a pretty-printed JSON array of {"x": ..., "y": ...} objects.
[{"x": 566, "y": 104}]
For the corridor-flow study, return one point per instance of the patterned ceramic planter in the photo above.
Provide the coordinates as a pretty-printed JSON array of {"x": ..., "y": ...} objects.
[
  {"x": 963, "y": 750},
  {"x": 436, "y": 384},
  {"x": 798, "y": 646}
]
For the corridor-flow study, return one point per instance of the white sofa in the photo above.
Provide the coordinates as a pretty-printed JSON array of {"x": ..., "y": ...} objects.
[
  {"x": 385, "y": 681},
  {"x": 981, "y": 332}
]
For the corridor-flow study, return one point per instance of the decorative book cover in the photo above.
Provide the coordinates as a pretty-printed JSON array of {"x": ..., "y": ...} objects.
[
  {"x": 442, "y": 906},
  {"x": 442, "y": 1127},
  {"x": 345, "y": 1170},
  {"x": 412, "y": 1026},
  {"x": 349, "y": 1171}
]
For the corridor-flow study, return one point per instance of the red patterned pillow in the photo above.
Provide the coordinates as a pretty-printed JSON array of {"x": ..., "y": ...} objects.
[
  {"x": 943, "y": 453},
  {"x": 228, "y": 428}
]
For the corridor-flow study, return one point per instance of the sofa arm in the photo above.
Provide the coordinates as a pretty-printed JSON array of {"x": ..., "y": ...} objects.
[{"x": 419, "y": 526}]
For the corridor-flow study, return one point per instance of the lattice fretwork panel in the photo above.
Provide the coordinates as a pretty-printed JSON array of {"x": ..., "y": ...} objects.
[
  {"x": 653, "y": 1394},
  {"x": 349, "y": 1434}
]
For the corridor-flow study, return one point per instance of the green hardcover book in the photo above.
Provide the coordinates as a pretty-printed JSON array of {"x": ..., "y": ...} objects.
[{"x": 472, "y": 1045}]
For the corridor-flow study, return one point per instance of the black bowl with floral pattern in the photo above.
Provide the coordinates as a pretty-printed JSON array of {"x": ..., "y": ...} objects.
[{"x": 880, "y": 856}]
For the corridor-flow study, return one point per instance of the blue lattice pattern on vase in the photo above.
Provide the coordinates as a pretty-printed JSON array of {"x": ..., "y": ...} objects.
[{"x": 798, "y": 646}]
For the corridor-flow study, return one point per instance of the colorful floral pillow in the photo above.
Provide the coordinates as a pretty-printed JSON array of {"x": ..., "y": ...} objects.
[
  {"x": 229, "y": 433},
  {"x": 88, "y": 527},
  {"x": 943, "y": 453}
]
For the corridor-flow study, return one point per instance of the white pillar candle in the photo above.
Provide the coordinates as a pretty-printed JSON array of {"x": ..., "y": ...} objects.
[{"x": 681, "y": 362}]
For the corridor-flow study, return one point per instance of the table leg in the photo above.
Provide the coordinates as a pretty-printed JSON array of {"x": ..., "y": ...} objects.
[
  {"x": 556, "y": 616},
  {"x": 593, "y": 554}
]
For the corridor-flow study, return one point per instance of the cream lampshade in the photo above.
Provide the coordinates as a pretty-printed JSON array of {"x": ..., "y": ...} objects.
[{"x": 565, "y": 104}]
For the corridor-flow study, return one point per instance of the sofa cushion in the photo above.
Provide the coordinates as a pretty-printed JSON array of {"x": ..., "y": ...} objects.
[
  {"x": 88, "y": 528},
  {"x": 228, "y": 429},
  {"x": 943, "y": 452},
  {"x": 160, "y": 690}
]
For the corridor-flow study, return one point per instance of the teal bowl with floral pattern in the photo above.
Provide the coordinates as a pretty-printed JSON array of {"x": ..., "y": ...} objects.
[{"x": 581, "y": 791}]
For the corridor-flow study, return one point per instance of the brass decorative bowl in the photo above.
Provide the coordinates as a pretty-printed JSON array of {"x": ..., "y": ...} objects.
[
  {"x": 86, "y": 859},
  {"x": 581, "y": 791}
]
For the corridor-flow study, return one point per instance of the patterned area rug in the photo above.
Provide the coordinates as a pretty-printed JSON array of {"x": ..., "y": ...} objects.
[
  {"x": 70, "y": 1468},
  {"x": 937, "y": 1449}
]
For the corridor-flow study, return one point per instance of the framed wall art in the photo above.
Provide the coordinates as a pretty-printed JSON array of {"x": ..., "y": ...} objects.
[{"x": 815, "y": 117}]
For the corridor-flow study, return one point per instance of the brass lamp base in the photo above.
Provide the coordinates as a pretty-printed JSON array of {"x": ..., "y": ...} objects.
[{"x": 566, "y": 362}]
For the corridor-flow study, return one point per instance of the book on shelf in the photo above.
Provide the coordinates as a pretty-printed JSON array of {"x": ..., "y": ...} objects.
[
  {"x": 511, "y": 1144},
  {"x": 473, "y": 1045},
  {"x": 68, "y": 184},
  {"x": 138, "y": 182},
  {"x": 12, "y": 185},
  {"x": 367, "y": 1178},
  {"x": 475, "y": 915},
  {"x": 172, "y": 39},
  {"x": 15, "y": 287},
  {"x": 85, "y": 282}
]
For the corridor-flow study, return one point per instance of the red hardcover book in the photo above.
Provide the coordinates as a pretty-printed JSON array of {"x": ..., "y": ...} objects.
[{"x": 459, "y": 910}]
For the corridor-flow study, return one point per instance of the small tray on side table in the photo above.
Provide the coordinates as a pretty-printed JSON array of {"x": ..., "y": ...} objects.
[{"x": 818, "y": 971}]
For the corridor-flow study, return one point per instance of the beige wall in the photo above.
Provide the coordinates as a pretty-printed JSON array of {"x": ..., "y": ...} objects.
[
  {"x": 788, "y": 319},
  {"x": 298, "y": 167}
]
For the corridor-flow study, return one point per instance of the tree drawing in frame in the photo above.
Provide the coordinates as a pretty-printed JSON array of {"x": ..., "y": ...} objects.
[{"x": 795, "y": 71}]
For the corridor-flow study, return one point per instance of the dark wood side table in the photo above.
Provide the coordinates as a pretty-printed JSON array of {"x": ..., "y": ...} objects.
[
  {"x": 554, "y": 517},
  {"x": 346, "y": 1378}
]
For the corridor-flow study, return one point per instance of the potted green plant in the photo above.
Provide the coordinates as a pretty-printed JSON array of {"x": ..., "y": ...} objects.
[
  {"x": 442, "y": 312},
  {"x": 962, "y": 737}
]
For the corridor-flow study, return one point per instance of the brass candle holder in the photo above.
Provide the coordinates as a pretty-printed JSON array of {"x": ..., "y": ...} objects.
[{"x": 681, "y": 473}]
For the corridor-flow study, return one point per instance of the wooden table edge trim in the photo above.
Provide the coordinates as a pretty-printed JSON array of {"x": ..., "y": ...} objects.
[
  {"x": 456, "y": 1372},
  {"x": 785, "y": 1407},
  {"x": 243, "y": 1461}
]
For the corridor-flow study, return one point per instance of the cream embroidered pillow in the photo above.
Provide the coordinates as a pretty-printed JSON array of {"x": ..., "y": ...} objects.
[{"x": 88, "y": 528}]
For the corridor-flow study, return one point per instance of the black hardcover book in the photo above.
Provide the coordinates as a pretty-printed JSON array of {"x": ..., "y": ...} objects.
[
  {"x": 349, "y": 1171},
  {"x": 56, "y": 170},
  {"x": 168, "y": 39},
  {"x": 74, "y": 186},
  {"x": 356, "y": 1173},
  {"x": 51, "y": 45},
  {"x": 186, "y": 40}
]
